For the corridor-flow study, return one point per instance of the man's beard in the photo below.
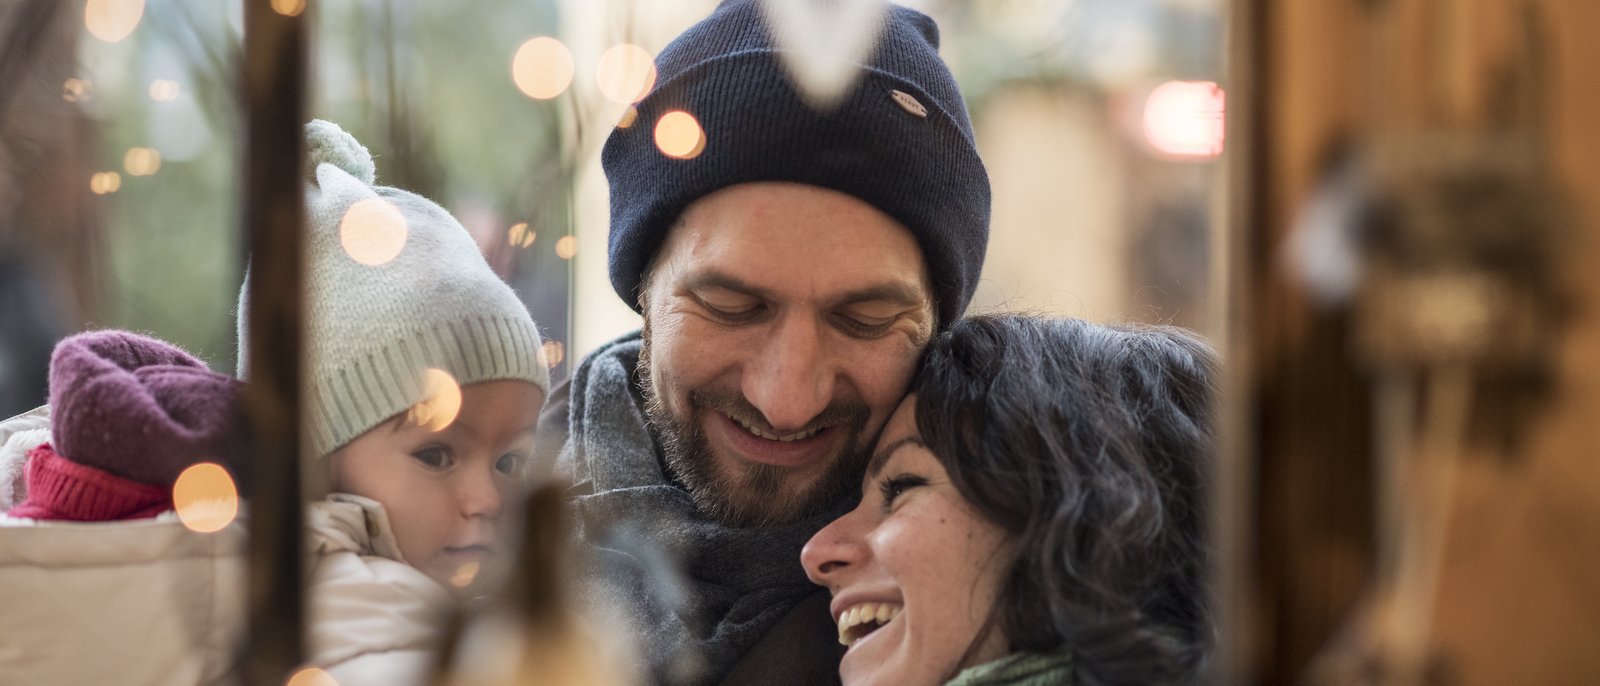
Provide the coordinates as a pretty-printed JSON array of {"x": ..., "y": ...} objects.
[{"x": 754, "y": 495}]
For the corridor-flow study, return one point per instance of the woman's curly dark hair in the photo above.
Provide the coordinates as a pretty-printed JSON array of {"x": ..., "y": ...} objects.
[{"x": 1087, "y": 444}]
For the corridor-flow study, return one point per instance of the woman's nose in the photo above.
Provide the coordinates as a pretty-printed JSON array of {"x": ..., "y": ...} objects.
[{"x": 836, "y": 550}]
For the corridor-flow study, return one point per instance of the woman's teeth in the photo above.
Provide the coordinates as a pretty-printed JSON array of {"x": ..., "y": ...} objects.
[{"x": 863, "y": 619}]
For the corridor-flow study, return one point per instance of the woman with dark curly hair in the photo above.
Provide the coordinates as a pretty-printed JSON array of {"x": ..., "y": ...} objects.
[{"x": 1033, "y": 514}]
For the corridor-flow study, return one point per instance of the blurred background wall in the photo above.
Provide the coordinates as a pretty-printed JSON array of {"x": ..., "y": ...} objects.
[{"x": 123, "y": 137}]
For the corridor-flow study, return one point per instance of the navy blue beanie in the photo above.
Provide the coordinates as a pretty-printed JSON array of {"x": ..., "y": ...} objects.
[{"x": 923, "y": 171}]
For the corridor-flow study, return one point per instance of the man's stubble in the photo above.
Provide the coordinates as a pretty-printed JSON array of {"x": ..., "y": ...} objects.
[{"x": 756, "y": 494}]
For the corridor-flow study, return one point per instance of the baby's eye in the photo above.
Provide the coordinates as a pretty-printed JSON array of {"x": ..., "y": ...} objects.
[
  {"x": 509, "y": 463},
  {"x": 433, "y": 457}
]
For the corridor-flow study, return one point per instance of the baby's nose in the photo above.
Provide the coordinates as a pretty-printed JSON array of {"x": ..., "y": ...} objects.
[{"x": 481, "y": 496}]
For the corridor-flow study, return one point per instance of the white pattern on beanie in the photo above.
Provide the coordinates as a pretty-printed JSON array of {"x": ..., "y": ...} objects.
[{"x": 376, "y": 323}]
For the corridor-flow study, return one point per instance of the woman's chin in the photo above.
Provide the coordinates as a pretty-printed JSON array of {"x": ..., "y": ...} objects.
[{"x": 878, "y": 659}]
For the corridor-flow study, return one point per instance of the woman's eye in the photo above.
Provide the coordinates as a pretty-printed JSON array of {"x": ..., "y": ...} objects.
[
  {"x": 509, "y": 463},
  {"x": 896, "y": 486},
  {"x": 435, "y": 458}
]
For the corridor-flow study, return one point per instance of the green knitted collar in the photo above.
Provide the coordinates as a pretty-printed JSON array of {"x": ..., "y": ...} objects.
[{"x": 1019, "y": 669}]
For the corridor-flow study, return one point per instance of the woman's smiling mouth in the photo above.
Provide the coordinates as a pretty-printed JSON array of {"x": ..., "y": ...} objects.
[{"x": 860, "y": 620}]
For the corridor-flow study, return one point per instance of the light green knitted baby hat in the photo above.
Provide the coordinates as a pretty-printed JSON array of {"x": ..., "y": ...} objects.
[{"x": 395, "y": 287}]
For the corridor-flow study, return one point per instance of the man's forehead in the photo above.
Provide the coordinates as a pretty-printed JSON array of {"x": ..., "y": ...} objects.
[
  {"x": 766, "y": 270},
  {"x": 777, "y": 237}
]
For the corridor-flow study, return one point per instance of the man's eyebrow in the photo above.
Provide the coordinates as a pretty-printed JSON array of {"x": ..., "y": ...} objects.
[
  {"x": 725, "y": 281},
  {"x": 881, "y": 458},
  {"x": 894, "y": 293}
]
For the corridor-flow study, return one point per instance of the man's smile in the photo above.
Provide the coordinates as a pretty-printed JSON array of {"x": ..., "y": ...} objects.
[{"x": 796, "y": 449}]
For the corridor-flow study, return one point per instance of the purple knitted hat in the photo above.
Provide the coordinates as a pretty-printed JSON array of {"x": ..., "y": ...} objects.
[{"x": 137, "y": 407}]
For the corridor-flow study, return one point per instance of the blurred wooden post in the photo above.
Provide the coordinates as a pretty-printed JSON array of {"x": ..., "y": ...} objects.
[
  {"x": 1294, "y": 498},
  {"x": 1300, "y": 568},
  {"x": 274, "y": 76},
  {"x": 1233, "y": 512}
]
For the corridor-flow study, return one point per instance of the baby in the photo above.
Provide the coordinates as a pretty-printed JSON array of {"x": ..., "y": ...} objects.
[{"x": 425, "y": 380}]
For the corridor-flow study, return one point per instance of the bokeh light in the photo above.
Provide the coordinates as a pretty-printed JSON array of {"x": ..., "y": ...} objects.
[
  {"x": 464, "y": 575},
  {"x": 554, "y": 353},
  {"x": 626, "y": 73},
  {"x": 629, "y": 116},
  {"x": 679, "y": 135},
  {"x": 289, "y": 8},
  {"x": 311, "y": 676},
  {"x": 521, "y": 236},
  {"x": 566, "y": 247},
  {"x": 102, "y": 183},
  {"x": 141, "y": 161},
  {"x": 112, "y": 20},
  {"x": 542, "y": 68},
  {"x": 164, "y": 90},
  {"x": 76, "y": 90},
  {"x": 373, "y": 232},
  {"x": 441, "y": 401},
  {"x": 205, "y": 497},
  {"x": 1185, "y": 119}
]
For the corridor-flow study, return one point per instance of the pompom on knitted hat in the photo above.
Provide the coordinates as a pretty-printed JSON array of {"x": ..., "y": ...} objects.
[
  {"x": 128, "y": 414},
  {"x": 396, "y": 286},
  {"x": 899, "y": 139}
]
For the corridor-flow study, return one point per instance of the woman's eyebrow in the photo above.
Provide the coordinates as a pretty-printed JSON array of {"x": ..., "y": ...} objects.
[{"x": 881, "y": 458}]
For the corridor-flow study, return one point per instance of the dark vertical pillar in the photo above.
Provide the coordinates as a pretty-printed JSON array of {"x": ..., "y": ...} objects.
[
  {"x": 1295, "y": 499},
  {"x": 274, "y": 76},
  {"x": 1233, "y": 519}
]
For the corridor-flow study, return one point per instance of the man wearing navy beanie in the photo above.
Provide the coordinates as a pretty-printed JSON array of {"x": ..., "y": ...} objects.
[{"x": 791, "y": 262}]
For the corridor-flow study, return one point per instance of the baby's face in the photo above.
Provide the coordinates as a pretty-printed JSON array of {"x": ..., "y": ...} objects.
[{"x": 445, "y": 489}]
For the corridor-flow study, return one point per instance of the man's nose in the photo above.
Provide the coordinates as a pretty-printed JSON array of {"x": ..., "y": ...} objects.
[
  {"x": 791, "y": 378},
  {"x": 836, "y": 550}
]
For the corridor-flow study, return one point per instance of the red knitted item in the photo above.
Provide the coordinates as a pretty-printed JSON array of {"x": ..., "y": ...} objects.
[{"x": 61, "y": 489}]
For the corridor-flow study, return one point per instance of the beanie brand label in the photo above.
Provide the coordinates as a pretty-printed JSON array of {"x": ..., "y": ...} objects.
[{"x": 909, "y": 103}]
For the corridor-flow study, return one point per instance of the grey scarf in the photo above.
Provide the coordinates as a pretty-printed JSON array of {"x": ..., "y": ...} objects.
[{"x": 698, "y": 593}]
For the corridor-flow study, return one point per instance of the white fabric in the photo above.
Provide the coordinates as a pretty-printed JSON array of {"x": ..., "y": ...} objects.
[
  {"x": 374, "y": 619},
  {"x": 18, "y": 435},
  {"x": 132, "y": 602}
]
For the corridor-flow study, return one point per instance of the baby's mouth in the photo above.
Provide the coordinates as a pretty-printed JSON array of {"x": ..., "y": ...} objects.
[
  {"x": 470, "y": 551},
  {"x": 860, "y": 620}
]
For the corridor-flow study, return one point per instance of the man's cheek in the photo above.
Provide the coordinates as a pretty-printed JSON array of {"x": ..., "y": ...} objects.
[{"x": 884, "y": 373}]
